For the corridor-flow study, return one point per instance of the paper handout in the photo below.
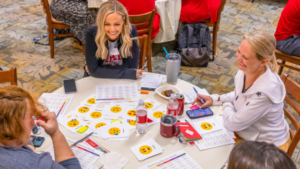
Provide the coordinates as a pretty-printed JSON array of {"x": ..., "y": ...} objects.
[
  {"x": 72, "y": 122},
  {"x": 95, "y": 114},
  {"x": 151, "y": 104},
  {"x": 114, "y": 130},
  {"x": 206, "y": 125},
  {"x": 146, "y": 149},
  {"x": 157, "y": 114},
  {"x": 115, "y": 110},
  {"x": 82, "y": 110}
]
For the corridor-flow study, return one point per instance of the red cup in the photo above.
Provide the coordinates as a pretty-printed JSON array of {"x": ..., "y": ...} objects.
[{"x": 168, "y": 126}]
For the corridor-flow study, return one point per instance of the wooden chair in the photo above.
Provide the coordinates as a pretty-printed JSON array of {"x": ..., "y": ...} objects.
[
  {"x": 143, "y": 42},
  {"x": 53, "y": 24},
  {"x": 286, "y": 58},
  {"x": 145, "y": 20},
  {"x": 215, "y": 26},
  {"x": 9, "y": 76},
  {"x": 292, "y": 88}
]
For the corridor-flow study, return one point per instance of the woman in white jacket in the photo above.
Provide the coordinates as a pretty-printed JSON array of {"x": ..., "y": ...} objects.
[{"x": 254, "y": 110}]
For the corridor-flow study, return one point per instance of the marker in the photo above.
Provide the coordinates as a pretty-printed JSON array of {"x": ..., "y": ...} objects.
[
  {"x": 200, "y": 97},
  {"x": 86, "y": 150},
  {"x": 81, "y": 139},
  {"x": 61, "y": 107}
]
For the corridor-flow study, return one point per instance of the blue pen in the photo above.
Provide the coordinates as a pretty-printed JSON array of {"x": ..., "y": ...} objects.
[{"x": 197, "y": 93}]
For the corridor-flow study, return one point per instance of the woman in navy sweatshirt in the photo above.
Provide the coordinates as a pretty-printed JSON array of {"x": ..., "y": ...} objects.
[{"x": 111, "y": 47}]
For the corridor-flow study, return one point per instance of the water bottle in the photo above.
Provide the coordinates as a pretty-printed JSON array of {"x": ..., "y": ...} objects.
[
  {"x": 141, "y": 118},
  {"x": 172, "y": 107}
]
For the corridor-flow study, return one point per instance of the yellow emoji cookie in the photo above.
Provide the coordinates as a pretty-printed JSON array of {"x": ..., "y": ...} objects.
[
  {"x": 83, "y": 109},
  {"x": 158, "y": 114},
  {"x": 73, "y": 123},
  {"x": 100, "y": 125},
  {"x": 131, "y": 113},
  {"x": 148, "y": 105},
  {"x": 206, "y": 126},
  {"x": 145, "y": 150},
  {"x": 91, "y": 101},
  {"x": 132, "y": 122},
  {"x": 116, "y": 109},
  {"x": 96, "y": 114},
  {"x": 114, "y": 131}
]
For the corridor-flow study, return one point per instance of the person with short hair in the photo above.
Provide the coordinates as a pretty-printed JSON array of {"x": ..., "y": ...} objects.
[
  {"x": 254, "y": 110},
  {"x": 258, "y": 155},
  {"x": 288, "y": 29},
  {"x": 111, "y": 47},
  {"x": 16, "y": 110}
]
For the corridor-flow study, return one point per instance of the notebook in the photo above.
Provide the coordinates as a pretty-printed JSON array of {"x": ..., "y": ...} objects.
[{"x": 188, "y": 131}]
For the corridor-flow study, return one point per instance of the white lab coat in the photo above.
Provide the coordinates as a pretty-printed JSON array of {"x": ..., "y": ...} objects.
[{"x": 258, "y": 113}]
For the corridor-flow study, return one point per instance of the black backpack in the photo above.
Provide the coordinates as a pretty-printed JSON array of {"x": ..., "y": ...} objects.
[{"x": 194, "y": 45}]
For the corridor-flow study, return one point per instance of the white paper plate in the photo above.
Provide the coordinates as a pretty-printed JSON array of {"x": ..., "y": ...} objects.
[{"x": 167, "y": 87}]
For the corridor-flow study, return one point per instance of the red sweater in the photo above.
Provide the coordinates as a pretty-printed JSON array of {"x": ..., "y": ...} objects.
[
  {"x": 136, "y": 7},
  {"x": 193, "y": 11},
  {"x": 289, "y": 22}
]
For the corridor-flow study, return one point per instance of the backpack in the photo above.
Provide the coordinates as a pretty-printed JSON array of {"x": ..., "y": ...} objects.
[{"x": 194, "y": 45}]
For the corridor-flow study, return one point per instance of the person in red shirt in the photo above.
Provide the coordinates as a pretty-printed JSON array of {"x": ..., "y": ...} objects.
[
  {"x": 288, "y": 29},
  {"x": 137, "y": 7},
  {"x": 193, "y": 11}
]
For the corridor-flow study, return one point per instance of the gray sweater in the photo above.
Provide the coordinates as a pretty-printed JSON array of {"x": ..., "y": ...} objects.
[{"x": 25, "y": 158}]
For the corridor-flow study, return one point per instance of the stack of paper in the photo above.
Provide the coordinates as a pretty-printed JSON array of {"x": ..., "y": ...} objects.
[
  {"x": 215, "y": 135},
  {"x": 86, "y": 155},
  {"x": 146, "y": 149},
  {"x": 115, "y": 110},
  {"x": 56, "y": 102},
  {"x": 190, "y": 96},
  {"x": 151, "y": 82}
]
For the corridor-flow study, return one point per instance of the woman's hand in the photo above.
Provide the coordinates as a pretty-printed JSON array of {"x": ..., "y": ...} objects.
[
  {"x": 49, "y": 124},
  {"x": 87, "y": 70},
  {"x": 139, "y": 72},
  {"x": 206, "y": 99}
]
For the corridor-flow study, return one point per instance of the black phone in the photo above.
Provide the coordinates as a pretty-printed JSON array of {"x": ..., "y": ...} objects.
[
  {"x": 38, "y": 141},
  {"x": 32, "y": 137},
  {"x": 70, "y": 86},
  {"x": 197, "y": 113}
]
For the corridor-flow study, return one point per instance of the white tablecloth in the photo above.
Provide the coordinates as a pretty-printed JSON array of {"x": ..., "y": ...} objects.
[
  {"x": 169, "y": 11},
  {"x": 208, "y": 159}
]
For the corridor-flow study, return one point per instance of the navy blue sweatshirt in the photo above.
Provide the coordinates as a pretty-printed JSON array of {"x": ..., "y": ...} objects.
[{"x": 96, "y": 68}]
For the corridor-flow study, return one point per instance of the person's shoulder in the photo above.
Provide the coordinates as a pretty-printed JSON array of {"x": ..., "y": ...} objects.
[
  {"x": 92, "y": 30},
  {"x": 133, "y": 31}
]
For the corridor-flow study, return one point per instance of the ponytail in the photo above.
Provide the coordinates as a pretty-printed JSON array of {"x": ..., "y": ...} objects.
[{"x": 273, "y": 63}]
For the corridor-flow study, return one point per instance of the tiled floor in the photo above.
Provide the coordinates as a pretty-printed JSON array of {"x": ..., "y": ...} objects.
[{"x": 23, "y": 20}]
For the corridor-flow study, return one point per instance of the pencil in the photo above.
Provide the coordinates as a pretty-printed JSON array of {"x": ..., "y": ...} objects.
[
  {"x": 61, "y": 107},
  {"x": 82, "y": 139}
]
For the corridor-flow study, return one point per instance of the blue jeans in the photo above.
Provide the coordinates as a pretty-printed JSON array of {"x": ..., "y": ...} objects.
[{"x": 290, "y": 45}]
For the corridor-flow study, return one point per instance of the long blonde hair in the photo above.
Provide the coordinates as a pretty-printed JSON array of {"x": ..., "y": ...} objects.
[
  {"x": 263, "y": 43},
  {"x": 105, "y": 9}
]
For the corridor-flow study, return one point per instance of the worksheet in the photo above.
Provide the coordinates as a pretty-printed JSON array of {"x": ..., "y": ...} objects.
[
  {"x": 86, "y": 155},
  {"x": 206, "y": 125},
  {"x": 56, "y": 102},
  {"x": 146, "y": 149},
  {"x": 114, "y": 131},
  {"x": 95, "y": 115},
  {"x": 157, "y": 114},
  {"x": 177, "y": 160},
  {"x": 124, "y": 92},
  {"x": 115, "y": 110},
  {"x": 83, "y": 110},
  {"x": 190, "y": 96},
  {"x": 72, "y": 122}
]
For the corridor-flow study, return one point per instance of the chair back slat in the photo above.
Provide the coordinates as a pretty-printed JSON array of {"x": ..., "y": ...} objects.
[
  {"x": 141, "y": 24},
  {"x": 9, "y": 76},
  {"x": 293, "y": 89},
  {"x": 143, "y": 42},
  {"x": 142, "y": 21}
]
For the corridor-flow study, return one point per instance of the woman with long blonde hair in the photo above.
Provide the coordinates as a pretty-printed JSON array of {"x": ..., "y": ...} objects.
[
  {"x": 254, "y": 110},
  {"x": 111, "y": 47}
]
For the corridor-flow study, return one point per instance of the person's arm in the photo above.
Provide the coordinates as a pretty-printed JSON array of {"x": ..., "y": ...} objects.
[
  {"x": 62, "y": 150},
  {"x": 219, "y": 99},
  {"x": 102, "y": 71},
  {"x": 251, "y": 112}
]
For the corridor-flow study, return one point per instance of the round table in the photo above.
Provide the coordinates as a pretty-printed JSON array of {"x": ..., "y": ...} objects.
[{"x": 208, "y": 159}]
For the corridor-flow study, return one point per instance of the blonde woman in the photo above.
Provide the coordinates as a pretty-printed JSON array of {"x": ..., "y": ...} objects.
[
  {"x": 111, "y": 47},
  {"x": 254, "y": 110}
]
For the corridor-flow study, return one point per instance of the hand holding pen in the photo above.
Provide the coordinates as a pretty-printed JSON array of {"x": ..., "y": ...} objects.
[
  {"x": 139, "y": 72},
  {"x": 202, "y": 100}
]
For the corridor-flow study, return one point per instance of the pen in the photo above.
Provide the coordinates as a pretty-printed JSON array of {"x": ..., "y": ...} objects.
[
  {"x": 86, "y": 150},
  {"x": 81, "y": 139},
  {"x": 144, "y": 65},
  {"x": 200, "y": 97}
]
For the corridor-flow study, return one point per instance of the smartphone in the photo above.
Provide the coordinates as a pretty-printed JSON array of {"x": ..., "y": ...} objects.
[
  {"x": 70, "y": 86},
  {"x": 197, "y": 113},
  {"x": 38, "y": 141}
]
